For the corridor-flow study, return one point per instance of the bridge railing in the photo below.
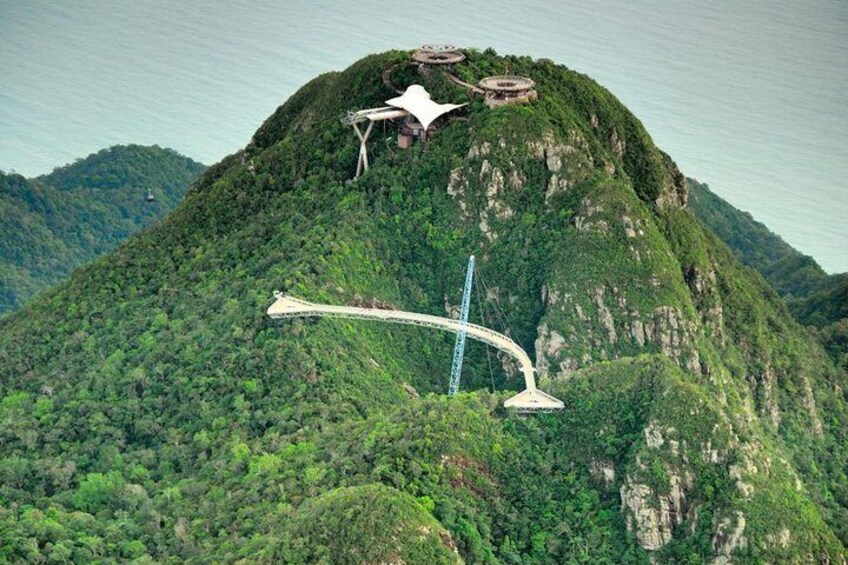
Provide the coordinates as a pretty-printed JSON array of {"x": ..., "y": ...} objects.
[
  {"x": 491, "y": 337},
  {"x": 531, "y": 399}
]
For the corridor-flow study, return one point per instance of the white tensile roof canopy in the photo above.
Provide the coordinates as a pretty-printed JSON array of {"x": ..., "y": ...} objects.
[{"x": 416, "y": 100}]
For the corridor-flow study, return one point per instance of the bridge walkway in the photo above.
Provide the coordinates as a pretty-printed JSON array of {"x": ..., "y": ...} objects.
[{"x": 531, "y": 399}]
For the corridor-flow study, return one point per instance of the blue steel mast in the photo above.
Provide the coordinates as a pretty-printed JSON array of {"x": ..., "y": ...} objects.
[{"x": 459, "y": 348}]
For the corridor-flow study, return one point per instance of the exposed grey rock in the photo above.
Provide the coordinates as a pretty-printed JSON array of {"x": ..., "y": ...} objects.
[
  {"x": 458, "y": 188},
  {"x": 494, "y": 181},
  {"x": 702, "y": 285},
  {"x": 653, "y": 435},
  {"x": 782, "y": 539},
  {"x": 580, "y": 315},
  {"x": 770, "y": 405},
  {"x": 710, "y": 453},
  {"x": 556, "y": 185},
  {"x": 675, "y": 191},
  {"x": 637, "y": 331},
  {"x": 494, "y": 188},
  {"x": 629, "y": 228},
  {"x": 570, "y": 162},
  {"x": 693, "y": 362},
  {"x": 728, "y": 537},
  {"x": 493, "y": 294},
  {"x": 452, "y": 311},
  {"x": 672, "y": 333},
  {"x": 653, "y": 516},
  {"x": 635, "y": 254},
  {"x": 410, "y": 390},
  {"x": 604, "y": 313},
  {"x": 583, "y": 219},
  {"x": 484, "y": 229},
  {"x": 743, "y": 469},
  {"x": 482, "y": 150},
  {"x": 516, "y": 180},
  {"x": 648, "y": 516},
  {"x": 810, "y": 405},
  {"x": 548, "y": 345},
  {"x": 617, "y": 145},
  {"x": 603, "y": 471}
]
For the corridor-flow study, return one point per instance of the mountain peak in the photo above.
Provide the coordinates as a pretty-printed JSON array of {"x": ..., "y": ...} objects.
[{"x": 151, "y": 391}]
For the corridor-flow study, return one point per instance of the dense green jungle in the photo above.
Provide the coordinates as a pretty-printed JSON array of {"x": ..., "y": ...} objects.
[
  {"x": 153, "y": 413},
  {"x": 57, "y": 222}
]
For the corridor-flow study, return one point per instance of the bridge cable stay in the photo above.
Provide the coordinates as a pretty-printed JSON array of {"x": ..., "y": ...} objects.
[
  {"x": 495, "y": 315},
  {"x": 500, "y": 314},
  {"x": 499, "y": 317},
  {"x": 459, "y": 347},
  {"x": 480, "y": 306}
]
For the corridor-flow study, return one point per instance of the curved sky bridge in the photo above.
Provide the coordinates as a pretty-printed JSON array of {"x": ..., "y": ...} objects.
[{"x": 530, "y": 400}]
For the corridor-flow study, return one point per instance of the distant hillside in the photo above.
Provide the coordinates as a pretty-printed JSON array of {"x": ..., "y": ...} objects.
[
  {"x": 56, "y": 222},
  {"x": 814, "y": 297}
]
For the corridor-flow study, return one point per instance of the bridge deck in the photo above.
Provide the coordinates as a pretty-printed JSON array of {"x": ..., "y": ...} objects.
[{"x": 530, "y": 399}]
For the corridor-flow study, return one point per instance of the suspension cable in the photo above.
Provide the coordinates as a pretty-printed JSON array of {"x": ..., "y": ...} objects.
[
  {"x": 483, "y": 319},
  {"x": 496, "y": 307}
]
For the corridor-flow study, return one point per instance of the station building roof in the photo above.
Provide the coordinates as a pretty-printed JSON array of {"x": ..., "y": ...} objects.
[{"x": 416, "y": 100}]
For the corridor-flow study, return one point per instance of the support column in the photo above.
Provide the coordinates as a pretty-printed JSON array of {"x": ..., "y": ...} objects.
[{"x": 362, "y": 162}]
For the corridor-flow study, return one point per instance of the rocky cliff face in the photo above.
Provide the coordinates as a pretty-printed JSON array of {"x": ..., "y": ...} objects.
[{"x": 630, "y": 273}]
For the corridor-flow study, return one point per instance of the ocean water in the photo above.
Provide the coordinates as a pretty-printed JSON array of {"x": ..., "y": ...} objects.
[{"x": 747, "y": 96}]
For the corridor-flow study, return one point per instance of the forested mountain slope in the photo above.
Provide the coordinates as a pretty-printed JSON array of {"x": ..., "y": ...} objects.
[
  {"x": 56, "y": 222},
  {"x": 814, "y": 297},
  {"x": 152, "y": 412}
]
